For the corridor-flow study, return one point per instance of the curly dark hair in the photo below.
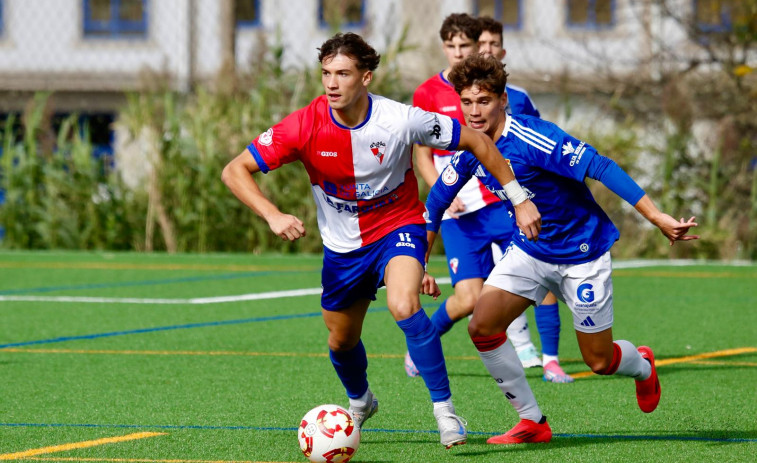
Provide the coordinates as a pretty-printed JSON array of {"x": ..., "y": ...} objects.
[
  {"x": 487, "y": 72},
  {"x": 457, "y": 23},
  {"x": 352, "y": 45}
]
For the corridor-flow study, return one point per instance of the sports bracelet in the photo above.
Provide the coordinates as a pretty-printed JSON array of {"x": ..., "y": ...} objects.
[{"x": 515, "y": 192}]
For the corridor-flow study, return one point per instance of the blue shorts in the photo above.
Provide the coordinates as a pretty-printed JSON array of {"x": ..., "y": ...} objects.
[
  {"x": 348, "y": 277},
  {"x": 468, "y": 241}
]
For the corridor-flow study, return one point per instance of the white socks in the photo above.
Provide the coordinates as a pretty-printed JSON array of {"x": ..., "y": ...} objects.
[
  {"x": 518, "y": 332},
  {"x": 631, "y": 362},
  {"x": 504, "y": 366}
]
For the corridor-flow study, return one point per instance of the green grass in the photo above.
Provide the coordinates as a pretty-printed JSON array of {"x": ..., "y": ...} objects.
[{"x": 229, "y": 381}]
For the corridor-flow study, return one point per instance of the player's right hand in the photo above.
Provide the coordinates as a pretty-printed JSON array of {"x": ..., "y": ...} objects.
[
  {"x": 528, "y": 219},
  {"x": 287, "y": 227}
]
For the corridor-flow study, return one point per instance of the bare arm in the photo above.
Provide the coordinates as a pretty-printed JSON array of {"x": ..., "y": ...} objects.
[
  {"x": 527, "y": 216},
  {"x": 237, "y": 175},
  {"x": 673, "y": 229}
]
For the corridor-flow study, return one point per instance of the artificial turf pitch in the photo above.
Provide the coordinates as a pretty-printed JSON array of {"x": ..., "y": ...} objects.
[{"x": 123, "y": 357}]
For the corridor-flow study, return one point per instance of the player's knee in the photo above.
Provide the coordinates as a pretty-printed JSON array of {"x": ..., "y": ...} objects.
[
  {"x": 476, "y": 329},
  {"x": 466, "y": 301},
  {"x": 342, "y": 342},
  {"x": 403, "y": 309}
]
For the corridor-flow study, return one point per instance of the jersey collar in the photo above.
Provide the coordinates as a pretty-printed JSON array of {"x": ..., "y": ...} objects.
[{"x": 360, "y": 125}]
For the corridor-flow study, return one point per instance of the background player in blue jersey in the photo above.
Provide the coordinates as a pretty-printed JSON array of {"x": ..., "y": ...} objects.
[
  {"x": 547, "y": 313},
  {"x": 490, "y": 42},
  {"x": 472, "y": 224},
  {"x": 373, "y": 241},
  {"x": 571, "y": 257}
]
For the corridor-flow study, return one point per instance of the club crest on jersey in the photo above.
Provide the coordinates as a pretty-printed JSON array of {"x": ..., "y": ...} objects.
[
  {"x": 378, "y": 148},
  {"x": 449, "y": 175},
  {"x": 576, "y": 152},
  {"x": 266, "y": 138}
]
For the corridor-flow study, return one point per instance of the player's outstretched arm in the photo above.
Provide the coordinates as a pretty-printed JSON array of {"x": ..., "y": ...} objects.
[
  {"x": 237, "y": 175},
  {"x": 673, "y": 229}
]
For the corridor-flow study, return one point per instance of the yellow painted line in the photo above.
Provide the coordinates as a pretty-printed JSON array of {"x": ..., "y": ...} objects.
[
  {"x": 78, "y": 445},
  {"x": 687, "y": 359},
  {"x": 673, "y": 274},
  {"x": 726, "y": 364}
]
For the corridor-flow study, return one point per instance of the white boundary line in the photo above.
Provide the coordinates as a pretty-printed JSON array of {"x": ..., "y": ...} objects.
[{"x": 313, "y": 291}]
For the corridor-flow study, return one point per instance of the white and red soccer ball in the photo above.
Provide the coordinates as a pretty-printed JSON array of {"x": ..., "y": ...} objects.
[{"x": 328, "y": 434}]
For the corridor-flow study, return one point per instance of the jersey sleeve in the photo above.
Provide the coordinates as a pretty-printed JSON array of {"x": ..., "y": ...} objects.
[
  {"x": 433, "y": 129},
  {"x": 447, "y": 186},
  {"x": 282, "y": 143},
  {"x": 554, "y": 150}
]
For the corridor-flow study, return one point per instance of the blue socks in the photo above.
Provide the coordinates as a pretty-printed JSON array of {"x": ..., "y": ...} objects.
[
  {"x": 351, "y": 366},
  {"x": 441, "y": 319},
  {"x": 425, "y": 349},
  {"x": 548, "y": 325}
]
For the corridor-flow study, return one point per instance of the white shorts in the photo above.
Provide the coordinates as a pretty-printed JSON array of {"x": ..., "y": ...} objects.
[{"x": 585, "y": 288}]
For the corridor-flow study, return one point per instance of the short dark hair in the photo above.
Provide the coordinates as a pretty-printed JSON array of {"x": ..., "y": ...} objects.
[
  {"x": 352, "y": 45},
  {"x": 487, "y": 72},
  {"x": 457, "y": 23},
  {"x": 489, "y": 24}
]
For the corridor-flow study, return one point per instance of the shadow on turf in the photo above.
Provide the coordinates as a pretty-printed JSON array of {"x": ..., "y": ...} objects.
[{"x": 576, "y": 440}]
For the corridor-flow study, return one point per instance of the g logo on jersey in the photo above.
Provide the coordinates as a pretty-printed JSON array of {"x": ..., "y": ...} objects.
[
  {"x": 585, "y": 293},
  {"x": 449, "y": 175},
  {"x": 266, "y": 138}
]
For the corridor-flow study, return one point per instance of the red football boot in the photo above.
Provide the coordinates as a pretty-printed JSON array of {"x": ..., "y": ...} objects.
[{"x": 648, "y": 390}]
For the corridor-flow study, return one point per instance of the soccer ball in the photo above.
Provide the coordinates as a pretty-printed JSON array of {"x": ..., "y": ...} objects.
[{"x": 328, "y": 434}]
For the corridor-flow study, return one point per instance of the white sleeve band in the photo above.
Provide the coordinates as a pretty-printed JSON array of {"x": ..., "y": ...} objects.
[{"x": 515, "y": 193}]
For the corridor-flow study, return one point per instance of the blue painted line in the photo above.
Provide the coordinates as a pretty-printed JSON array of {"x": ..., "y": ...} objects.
[
  {"x": 170, "y": 328},
  {"x": 393, "y": 431},
  {"x": 229, "y": 276},
  {"x": 159, "y": 328},
  {"x": 176, "y": 327}
]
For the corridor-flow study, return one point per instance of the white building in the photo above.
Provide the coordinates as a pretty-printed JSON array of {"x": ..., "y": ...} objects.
[{"x": 91, "y": 51}]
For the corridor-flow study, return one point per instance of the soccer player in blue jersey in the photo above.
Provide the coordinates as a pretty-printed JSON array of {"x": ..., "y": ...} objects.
[
  {"x": 547, "y": 314},
  {"x": 490, "y": 42},
  {"x": 571, "y": 258},
  {"x": 471, "y": 226}
]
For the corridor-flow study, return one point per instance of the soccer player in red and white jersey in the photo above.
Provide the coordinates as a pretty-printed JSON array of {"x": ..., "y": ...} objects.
[
  {"x": 357, "y": 150},
  {"x": 547, "y": 313},
  {"x": 472, "y": 224}
]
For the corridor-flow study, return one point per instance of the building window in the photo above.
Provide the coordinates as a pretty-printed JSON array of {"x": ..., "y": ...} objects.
[
  {"x": 247, "y": 13},
  {"x": 341, "y": 13},
  {"x": 719, "y": 15},
  {"x": 115, "y": 18},
  {"x": 591, "y": 14},
  {"x": 508, "y": 12}
]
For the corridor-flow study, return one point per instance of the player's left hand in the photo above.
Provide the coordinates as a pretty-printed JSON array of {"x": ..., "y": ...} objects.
[
  {"x": 429, "y": 286},
  {"x": 457, "y": 206},
  {"x": 675, "y": 230}
]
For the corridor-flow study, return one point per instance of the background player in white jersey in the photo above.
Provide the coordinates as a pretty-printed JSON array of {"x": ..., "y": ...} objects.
[
  {"x": 571, "y": 257},
  {"x": 472, "y": 223},
  {"x": 357, "y": 150},
  {"x": 547, "y": 313}
]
